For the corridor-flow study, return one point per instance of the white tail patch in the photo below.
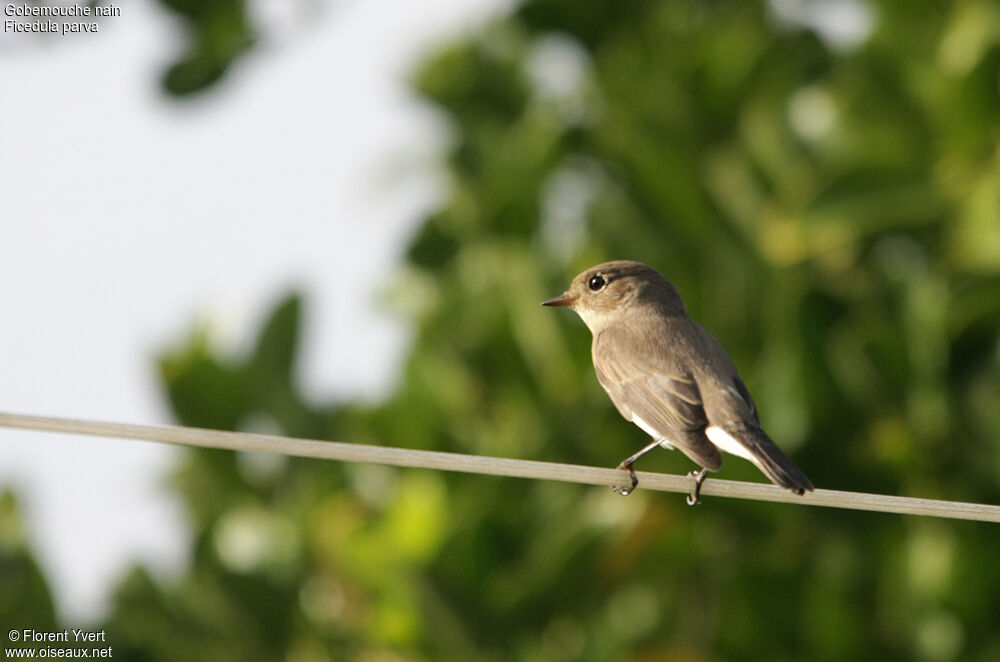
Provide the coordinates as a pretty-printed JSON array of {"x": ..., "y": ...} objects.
[
  {"x": 728, "y": 443},
  {"x": 648, "y": 429}
]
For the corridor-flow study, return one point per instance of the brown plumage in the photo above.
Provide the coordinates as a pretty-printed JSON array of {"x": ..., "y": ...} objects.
[{"x": 668, "y": 375}]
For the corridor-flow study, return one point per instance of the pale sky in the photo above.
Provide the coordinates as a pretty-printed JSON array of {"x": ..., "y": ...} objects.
[{"x": 126, "y": 218}]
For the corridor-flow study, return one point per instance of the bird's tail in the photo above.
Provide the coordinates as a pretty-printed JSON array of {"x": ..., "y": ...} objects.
[{"x": 768, "y": 457}]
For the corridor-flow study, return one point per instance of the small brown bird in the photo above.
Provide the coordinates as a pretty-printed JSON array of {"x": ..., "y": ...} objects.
[{"x": 668, "y": 375}]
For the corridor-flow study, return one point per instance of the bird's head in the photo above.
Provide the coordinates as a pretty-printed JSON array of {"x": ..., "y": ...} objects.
[{"x": 601, "y": 295}]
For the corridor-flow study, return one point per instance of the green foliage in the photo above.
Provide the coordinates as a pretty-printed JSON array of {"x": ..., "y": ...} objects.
[
  {"x": 205, "y": 390},
  {"x": 218, "y": 33},
  {"x": 25, "y": 601},
  {"x": 830, "y": 214}
]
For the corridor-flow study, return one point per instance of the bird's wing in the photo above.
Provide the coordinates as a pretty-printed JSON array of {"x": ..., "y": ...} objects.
[
  {"x": 735, "y": 427},
  {"x": 670, "y": 404}
]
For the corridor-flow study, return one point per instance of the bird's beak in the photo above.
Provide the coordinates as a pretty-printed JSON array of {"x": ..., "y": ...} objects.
[{"x": 563, "y": 299}]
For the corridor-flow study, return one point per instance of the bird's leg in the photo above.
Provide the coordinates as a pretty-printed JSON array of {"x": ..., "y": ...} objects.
[
  {"x": 694, "y": 498},
  {"x": 627, "y": 465}
]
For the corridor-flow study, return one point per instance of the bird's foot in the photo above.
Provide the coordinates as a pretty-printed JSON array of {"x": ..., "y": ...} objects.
[
  {"x": 694, "y": 498},
  {"x": 625, "y": 491}
]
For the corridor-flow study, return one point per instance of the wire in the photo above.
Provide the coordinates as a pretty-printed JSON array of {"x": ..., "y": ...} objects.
[{"x": 496, "y": 466}]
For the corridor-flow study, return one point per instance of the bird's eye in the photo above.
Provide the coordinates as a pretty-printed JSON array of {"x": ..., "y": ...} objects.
[{"x": 596, "y": 282}]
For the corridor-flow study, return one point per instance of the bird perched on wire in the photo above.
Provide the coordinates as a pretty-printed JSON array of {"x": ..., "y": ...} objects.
[{"x": 668, "y": 375}]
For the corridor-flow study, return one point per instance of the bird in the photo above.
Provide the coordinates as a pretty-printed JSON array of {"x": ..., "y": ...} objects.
[{"x": 665, "y": 373}]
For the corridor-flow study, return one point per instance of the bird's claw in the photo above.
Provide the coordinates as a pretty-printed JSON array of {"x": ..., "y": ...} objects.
[
  {"x": 694, "y": 498},
  {"x": 625, "y": 491}
]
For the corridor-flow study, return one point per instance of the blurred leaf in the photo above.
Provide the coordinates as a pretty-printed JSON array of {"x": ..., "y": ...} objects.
[
  {"x": 25, "y": 600},
  {"x": 218, "y": 33}
]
